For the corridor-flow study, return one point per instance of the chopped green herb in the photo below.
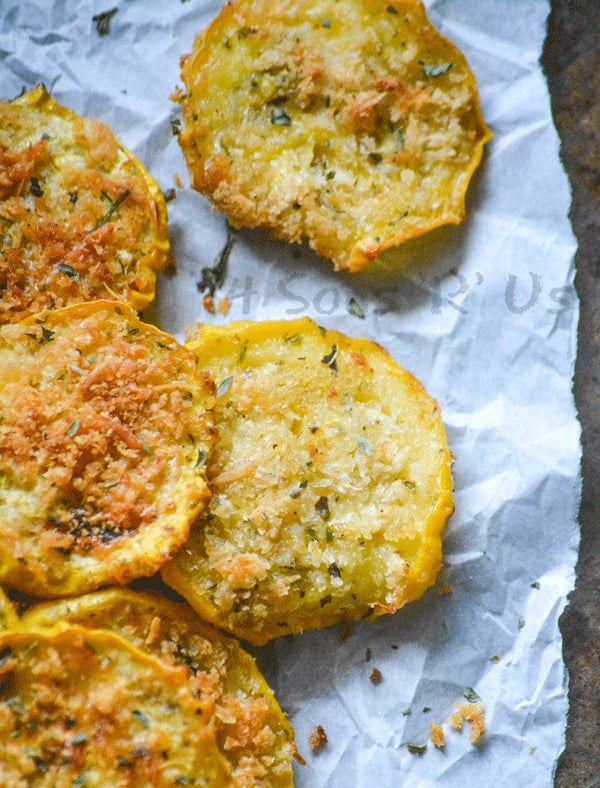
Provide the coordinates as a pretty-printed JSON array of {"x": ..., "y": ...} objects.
[
  {"x": 279, "y": 117},
  {"x": 406, "y": 712},
  {"x": 73, "y": 428},
  {"x": 471, "y": 695},
  {"x": 391, "y": 10},
  {"x": 364, "y": 445},
  {"x": 521, "y": 623},
  {"x": 326, "y": 22},
  {"x": 113, "y": 207},
  {"x": 35, "y": 188},
  {"x": 426, "y": 709},
  {"x": 334, "y": 570},
  {"x": 147, "y": 449},
  {"x": 535, "y": 585},
  {"x": 244, "y": 32},
  {"x": 47, "y": 336},
  {"x": 322, "y": 507},
  {"x": 409, "y": 485},
  {"x": 213, "y": 277},
  {"x": 139, "y": 715},
  {"x": 368, "y": 655},
  {"x": 331, "y": 358},
  {"x": 182, "y": 779},
  {"x": 200, "y": 459},
  {"x": 375, "y": 158},
  {"x": 79, "y": 780},
  {"x": 80, "y": 738},
  {"x": 68, "y": 270},
  {"x": 494, "y": 658},
  {"x": 293, "y": 339},
  {"x": 31, "y": 647},
  {"x": 176, "y": 126},
  {"x": 102, "y": 21},
  {"x": 73, "y": 198},
  {"x": 435, "y": 69},
  {"x": 416, "y": 749},
  {"x": 224, "y": 386},
  {"x": 328, "y": 535},
  {"x": 354, "y": 308}
]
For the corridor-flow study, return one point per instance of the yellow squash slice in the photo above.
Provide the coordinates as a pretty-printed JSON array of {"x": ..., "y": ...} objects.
[
  {"x": 353, "y": 124},
  {"x": 105, "y": 426},
  {"x": 331, "y": 483},
  {"x": 251, "y": 730},
  {"x": 81, "y": 218},
  {"x": 85, "y": 708}
]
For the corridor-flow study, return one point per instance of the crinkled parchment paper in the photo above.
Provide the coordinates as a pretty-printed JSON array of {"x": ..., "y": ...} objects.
[{"x": 484, "y": 314}]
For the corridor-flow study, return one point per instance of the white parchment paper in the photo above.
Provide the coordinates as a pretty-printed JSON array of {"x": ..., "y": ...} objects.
[{"x": 484, "y": 314}]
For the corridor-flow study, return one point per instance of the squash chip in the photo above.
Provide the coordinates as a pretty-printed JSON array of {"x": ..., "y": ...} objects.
[
  {"x": 85, "y": 708},
  {"x": 353, "y": 124},
  {"x": 82, "y": 218},
  {"x": 331, "y": 483},
  {"x": 251, "y": 730},
  {"x": 105, "y": 426}
]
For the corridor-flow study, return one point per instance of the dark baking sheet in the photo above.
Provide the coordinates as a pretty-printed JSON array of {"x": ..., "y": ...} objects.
[{"x": 571, "y": 61}]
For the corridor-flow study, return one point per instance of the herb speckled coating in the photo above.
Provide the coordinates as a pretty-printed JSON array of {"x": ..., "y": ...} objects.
[
  {"x": 82, "y": 219},
  {"x": 85, "y": 708},
  {"x": 331, "y": 483},
  {"x": 251, "y": 730},
  {"x": 354, "y": 125},
  {"x": 102, "y": 421}
]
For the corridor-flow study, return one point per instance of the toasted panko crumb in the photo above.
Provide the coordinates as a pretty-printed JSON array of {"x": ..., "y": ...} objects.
[
  {"x": 473, "y": 713},
  {"x": 224, "y": 305},
  {"x": 318, "y": 738},
  {"x": 376, "y": 676},
  {"x": 436, "y": 734}
]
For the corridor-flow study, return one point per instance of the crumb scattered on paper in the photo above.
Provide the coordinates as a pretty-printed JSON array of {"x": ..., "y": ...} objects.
[{"x": 318, "y": 737}]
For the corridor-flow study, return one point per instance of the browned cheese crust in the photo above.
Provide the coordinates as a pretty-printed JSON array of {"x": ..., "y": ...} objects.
[
  {"x": 352, "y": 124},
  {"x": 251, "y": 730},
  {"x": 105, "y": 426},
  {"x": 80, "y": 217},
  {"x": 85, "y": 708}
]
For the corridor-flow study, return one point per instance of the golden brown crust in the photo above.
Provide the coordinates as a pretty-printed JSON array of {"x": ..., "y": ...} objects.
[
  {"x": 331, "y": 483},
  {"x": 105, "y": 426},
  {"x": 81, "y": 217},
  {"x": 352, "y": 124},
  {"x": 81, "y": 707},
  {"x": 251, "y": 730}
]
